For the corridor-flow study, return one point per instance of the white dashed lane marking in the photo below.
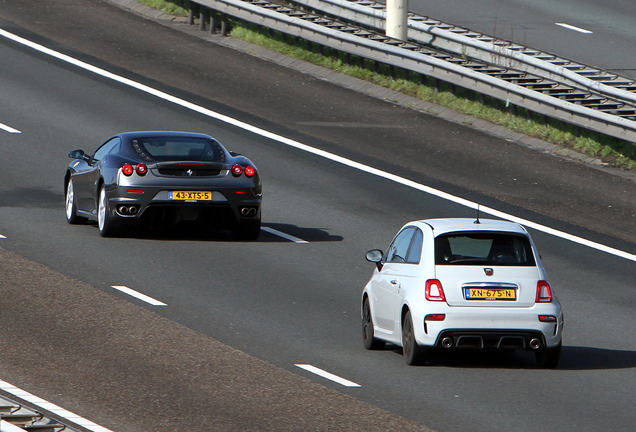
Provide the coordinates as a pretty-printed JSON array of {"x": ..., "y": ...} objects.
[
  {"x": 138, "y": 295},
  {"x": 327, "y": 375},
  {"x": 283, "y": 235},
  {"x": 9, "y": 129},
  {"x": 571, "y": 27}
]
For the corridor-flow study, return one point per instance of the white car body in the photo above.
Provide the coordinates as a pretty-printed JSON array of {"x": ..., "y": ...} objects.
[{"x": 519, "y": 309}]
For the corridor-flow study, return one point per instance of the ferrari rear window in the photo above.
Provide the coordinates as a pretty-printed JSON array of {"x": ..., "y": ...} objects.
[
  {"x": 179, "y": 149},
  {"x": 480, "y": 248}
]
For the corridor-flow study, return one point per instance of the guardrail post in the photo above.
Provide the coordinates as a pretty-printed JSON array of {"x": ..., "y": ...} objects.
[
  {"x": 191, "y": 14},
  {"x": 212, "y": 23},
  {"x": 223, "y": 25},
  {"x": 202, "y": 14}
]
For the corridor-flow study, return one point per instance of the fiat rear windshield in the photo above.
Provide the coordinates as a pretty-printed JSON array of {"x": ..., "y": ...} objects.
[
  {"x": 483, "y": 248},
  {"x": 164, "y": 149}
]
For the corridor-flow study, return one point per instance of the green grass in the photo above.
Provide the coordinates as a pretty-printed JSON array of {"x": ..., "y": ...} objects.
[
  {"x": 169, "y": 7},
  {"x": 611, "y": 150}
]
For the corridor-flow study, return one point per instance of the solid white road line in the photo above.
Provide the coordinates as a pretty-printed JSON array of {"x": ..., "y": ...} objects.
[
  {"x": 329, "y": 376},
  {"x": 138, "y": 295},
  {"x": 283, "y": 235},
  {"x": 9, "y": 129},
  {"x": 47, "y": 406},
  {"x": 571, "y": 27},
  {"x": 317, "y": 152}
]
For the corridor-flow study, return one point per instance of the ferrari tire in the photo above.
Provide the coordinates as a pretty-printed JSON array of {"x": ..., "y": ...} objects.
[
  {"x": 71, "y": 205},
  {"x": 414, "y": 354},
  {"x": 105, "y": 221},
  {"x": 247, "y": 230},
  {"x": 369, "y": 340}
]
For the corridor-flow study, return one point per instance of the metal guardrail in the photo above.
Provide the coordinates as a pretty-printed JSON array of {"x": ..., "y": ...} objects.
[
  {"x": 602, "y": 114},
  {"x": 479, "y": 46},
  {"x": 14, "y": 417}
]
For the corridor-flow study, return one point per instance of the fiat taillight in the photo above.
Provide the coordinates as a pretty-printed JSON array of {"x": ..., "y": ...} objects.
[
  {"x": 544, "y": 292},
  {"x": 434, "y": 290}
]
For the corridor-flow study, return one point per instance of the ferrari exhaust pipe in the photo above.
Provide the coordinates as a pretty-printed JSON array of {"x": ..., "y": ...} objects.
[
  {"x": 535, "y": 343},
  {"x": 245, "y": 211},
  {"x": 447, "y": 342},
  {"x": 122, "y": 210},
  {"x": 252, "y": 211},
  {"x": 132, "y": 210}
]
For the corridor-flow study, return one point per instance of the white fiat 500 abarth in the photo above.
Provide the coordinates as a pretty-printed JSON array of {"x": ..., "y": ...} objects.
[{"x": 461, "y": 284}]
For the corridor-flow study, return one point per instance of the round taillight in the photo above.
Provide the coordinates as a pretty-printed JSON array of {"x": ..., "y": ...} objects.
[
  {"x": 250, "y": 171},
  {"x": 127, "y": 169},
  {"x": 237, "y": 170},
  {"x": 141, "y": 169}
]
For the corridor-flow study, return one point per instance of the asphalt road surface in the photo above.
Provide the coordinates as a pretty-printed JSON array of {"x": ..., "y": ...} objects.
[{"x": 222, "y": 354}]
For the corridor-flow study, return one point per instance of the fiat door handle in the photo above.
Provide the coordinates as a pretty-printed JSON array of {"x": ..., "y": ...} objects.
[{"x": 394, "y": 282}]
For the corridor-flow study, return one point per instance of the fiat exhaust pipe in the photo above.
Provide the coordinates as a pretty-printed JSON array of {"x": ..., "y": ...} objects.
[
  {"x": 535, "y": 343},
  {"x": 447, "y": 342}
]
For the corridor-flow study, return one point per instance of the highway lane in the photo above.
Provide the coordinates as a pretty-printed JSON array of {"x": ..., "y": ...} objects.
[
  {"x": 606, "y": 44},
  {"x": 312, "y": 293}
]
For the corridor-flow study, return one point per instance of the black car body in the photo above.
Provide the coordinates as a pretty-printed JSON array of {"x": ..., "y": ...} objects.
[{"x": 162, "y": 178}]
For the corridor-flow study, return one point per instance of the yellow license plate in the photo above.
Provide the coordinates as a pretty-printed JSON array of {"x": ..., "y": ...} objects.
[
  {"x": 490, "y": 294},
  {"x": 191, "y": 195}
]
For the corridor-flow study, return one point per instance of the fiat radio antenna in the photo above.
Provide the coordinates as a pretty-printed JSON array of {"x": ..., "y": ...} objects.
[{"x": 477, "y": 221}]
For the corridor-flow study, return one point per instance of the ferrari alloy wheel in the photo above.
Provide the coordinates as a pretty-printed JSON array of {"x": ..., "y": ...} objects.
[
  {"x": 368, "y": 339},
  {"x": 413, "y": 353},
  {"x": 105, "y": 221},
  {"x": 71, "y": 206}
]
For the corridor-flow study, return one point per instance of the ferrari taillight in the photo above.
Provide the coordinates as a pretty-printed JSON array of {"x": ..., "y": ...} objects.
[
  {"x": 250, "y": 171},
  {"x": 141, "y": 169},
  {"x": 544, "y": 292},
  {"x": 127, "y": 169},
  {"x": 237, "y": 170},
  {"x": 434, "y": 290}
]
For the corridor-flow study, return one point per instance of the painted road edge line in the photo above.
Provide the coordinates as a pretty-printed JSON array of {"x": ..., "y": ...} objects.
[
  {"x": 571, "y": 27},
  {"x": 315, "y": 151},
  {"x": 138, "y": 295},
  {"x": 327, "y": 375},
  {"x": 9, "y": 129},
  {"x": 52, "y": 408},
  {"x": 284, "y": 235}
]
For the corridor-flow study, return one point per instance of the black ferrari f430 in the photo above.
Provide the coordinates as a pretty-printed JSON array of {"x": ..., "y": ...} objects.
[{"x": 162, "y": 178}]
